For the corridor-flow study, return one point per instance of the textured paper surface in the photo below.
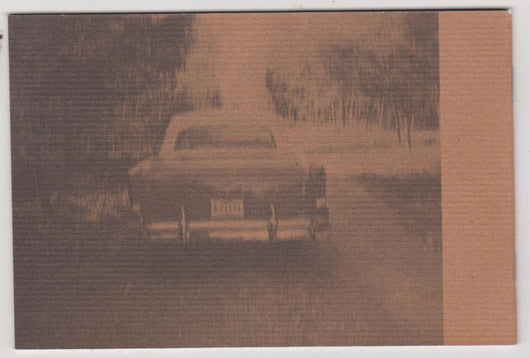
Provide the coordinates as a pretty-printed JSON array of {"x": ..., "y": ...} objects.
[
  {"x": 262, "y": 179},
  {"x": 477, "y": 177}
]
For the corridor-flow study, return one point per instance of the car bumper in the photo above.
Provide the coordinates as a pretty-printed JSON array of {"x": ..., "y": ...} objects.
[{"x": 248, "y": 230}]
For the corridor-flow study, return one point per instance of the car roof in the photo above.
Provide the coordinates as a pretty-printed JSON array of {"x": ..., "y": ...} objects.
[{"x": 241, "y": 120}]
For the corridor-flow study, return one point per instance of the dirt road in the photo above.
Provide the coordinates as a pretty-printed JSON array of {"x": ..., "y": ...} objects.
[{"x": 375, "y": 279}]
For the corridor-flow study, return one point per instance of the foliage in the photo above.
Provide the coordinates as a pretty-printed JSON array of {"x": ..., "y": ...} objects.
[
  {"x": 90, "y": 91},
  {"x": 386, "y": 85},
  {"x": 94, "y": 86}
]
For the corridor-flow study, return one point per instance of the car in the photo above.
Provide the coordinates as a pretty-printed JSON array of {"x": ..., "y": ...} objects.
[{"x": 222, "y": 175}]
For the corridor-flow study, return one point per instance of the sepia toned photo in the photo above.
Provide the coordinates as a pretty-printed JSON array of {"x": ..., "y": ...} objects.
[{"x": 226, "y": 179}]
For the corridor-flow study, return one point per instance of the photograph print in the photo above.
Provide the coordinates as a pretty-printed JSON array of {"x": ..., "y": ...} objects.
[{"x": 226, "y": 179}]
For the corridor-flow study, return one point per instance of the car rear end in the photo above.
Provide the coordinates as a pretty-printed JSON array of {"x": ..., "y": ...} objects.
[
  {"x": 213, "y": 184},
  {"x": 257, "y": 207}
]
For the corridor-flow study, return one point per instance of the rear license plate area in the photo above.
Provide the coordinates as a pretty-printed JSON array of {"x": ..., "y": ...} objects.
[{"x": 227, "y": 209}]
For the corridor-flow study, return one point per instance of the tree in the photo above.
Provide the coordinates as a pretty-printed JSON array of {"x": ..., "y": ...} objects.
[{"x": 87, "y": 90}]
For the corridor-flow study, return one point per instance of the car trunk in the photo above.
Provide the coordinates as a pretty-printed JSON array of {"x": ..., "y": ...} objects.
[{"x": 225, "y": 183}]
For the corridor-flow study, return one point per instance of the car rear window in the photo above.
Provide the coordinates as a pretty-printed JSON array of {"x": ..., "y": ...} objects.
[{"x": 223, "y": 137}]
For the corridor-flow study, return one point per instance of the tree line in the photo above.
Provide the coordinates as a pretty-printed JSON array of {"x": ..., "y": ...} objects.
[{"x": 392, "y": 87}]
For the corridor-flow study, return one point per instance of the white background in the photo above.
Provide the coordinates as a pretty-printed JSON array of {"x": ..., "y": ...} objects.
[{"x": 521, "y": 71}]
